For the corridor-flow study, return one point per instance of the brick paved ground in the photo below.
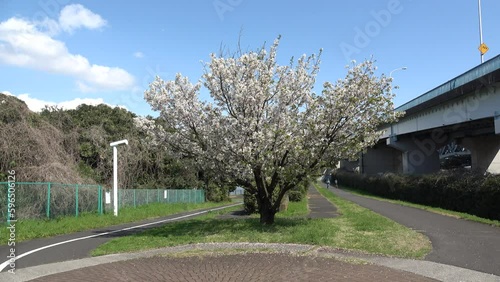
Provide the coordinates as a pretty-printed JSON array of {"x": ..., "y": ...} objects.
[{"x": 235, "y": 267}]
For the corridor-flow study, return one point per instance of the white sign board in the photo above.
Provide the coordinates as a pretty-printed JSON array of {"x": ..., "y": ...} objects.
[
  {"x": 108, "y": 197},
  {"x": 165, "y": 194}
]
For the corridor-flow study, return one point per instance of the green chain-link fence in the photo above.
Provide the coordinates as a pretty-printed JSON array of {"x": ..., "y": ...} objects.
[
  {"x": 50, "y": 200},
  {"x": 137, "y": 197}
]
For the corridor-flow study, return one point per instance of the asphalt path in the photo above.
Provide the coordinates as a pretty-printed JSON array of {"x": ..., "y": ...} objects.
[
  {"x": 455, "y": 241},
  {"x": 319, "y": 206},
  {"x": 79, "y": 245}
]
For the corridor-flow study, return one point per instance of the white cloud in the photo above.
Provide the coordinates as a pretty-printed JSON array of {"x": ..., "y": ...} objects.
[
  {"x": 139, "y": 54},
  {"x": 77, "y": 16},
  {"x": 84, "y": 87},
  {"x": 37, "y": 105},
  {"x": 31, "y": 45}
]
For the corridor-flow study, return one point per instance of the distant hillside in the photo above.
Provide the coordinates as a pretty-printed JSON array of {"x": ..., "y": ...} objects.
[
  {"x": 72, "y": 146},
  {"x": 33, "y": 147}
]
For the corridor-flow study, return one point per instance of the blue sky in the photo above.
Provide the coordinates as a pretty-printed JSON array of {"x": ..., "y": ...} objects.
[{"x": 63, "y": 52}]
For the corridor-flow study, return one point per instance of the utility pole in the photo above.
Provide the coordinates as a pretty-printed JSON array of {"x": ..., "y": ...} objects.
[{"x": 482, "y": 47}]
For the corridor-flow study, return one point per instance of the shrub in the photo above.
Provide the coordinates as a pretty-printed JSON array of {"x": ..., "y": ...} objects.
[
  {"x": 250, "y": 203},
  {"x": 295, "y": 196},
  {"x": 217, "y": 192},
  {"x": 462, "y": 191},
  {"x": 300, "y": 191}
]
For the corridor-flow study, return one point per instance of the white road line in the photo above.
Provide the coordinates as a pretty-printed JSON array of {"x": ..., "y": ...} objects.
[{"x": 6, "y": 263}]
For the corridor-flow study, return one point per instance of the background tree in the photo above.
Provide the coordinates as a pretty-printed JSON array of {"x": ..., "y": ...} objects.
[{"x": 266, "y": 129}]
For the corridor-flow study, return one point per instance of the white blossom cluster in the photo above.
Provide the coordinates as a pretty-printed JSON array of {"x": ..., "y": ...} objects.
[
  {"x": 266, "y": 128},
  {"x": 153, "y": 133},
  {"x": 143, "y": 123}
]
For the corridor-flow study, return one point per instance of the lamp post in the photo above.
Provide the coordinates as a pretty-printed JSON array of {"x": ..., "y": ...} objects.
[
  {"x": 390, "y": 74},
  {"x": 115, "y": 173},
  {"x": 402, "y": 68}
]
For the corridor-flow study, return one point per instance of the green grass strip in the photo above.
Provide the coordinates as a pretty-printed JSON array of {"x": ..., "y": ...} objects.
[
  {"x": 32, "y": 229},
  {"x": 357, "y": 228}
]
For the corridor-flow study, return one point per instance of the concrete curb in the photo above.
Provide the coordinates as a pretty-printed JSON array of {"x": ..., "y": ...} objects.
[{"x": 428, "y": 269}]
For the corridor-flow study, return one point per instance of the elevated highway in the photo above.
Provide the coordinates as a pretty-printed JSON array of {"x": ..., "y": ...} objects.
[{"x": 465, "y": 109}]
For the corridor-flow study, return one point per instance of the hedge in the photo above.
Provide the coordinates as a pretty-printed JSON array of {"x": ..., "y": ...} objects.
[{"x": 462, "y": 191}]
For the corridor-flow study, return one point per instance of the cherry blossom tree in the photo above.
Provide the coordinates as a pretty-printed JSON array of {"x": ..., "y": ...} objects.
[{"x": 265, "y": 128}]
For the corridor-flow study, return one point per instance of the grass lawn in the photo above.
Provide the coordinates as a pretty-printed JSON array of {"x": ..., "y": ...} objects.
[
  {"x": 441, "y": 211},
  {"x": 357, "y": 228},
  {"x": 32, "y": 229}
]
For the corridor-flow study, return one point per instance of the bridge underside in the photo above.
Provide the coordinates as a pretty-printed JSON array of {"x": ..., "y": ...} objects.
[
  {"x": 465, "y": 110},
  {"x": 417, "y": 153}
]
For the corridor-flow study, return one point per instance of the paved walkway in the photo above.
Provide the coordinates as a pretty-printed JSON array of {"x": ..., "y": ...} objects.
[
  {"x": 319, "y": 206},
  {"x": 79, "y": 245},
  {"x": 455, "y": 242}
]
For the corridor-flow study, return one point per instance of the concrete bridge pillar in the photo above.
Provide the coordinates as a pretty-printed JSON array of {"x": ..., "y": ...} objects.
[
  {"x": 419, "y": 155},
  {"x": 485, "y": 152},
  {"x": 380, "y": 159},
  {"x": 346, "y": 165}
]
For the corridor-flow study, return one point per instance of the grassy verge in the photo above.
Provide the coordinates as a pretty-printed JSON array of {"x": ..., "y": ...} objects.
[
  {"x": 441, "y": 211},
  {"x": 295, "y": 209},
  {"x": 32, "y": 229},
  {"x": 358, "y": 228}
]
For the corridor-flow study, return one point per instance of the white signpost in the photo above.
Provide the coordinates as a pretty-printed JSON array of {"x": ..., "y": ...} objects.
[{"x": 115, "y": 173}]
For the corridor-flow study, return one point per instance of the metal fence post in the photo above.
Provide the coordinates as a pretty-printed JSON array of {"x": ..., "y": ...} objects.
[
  {"x": 48, "y": 200},
  {"x": 158, "y": 194},
  {"x": 99, "y": 200},
  {"x": 76, "y": 200},
  {"x": 102, "y": 196}
]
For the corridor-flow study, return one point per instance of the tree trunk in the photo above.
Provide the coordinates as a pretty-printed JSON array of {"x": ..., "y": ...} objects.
[
  {"x": 264, "y": 198},
  {"x": 266, "y": 209},
  {"x": 267, "y": 213}
]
